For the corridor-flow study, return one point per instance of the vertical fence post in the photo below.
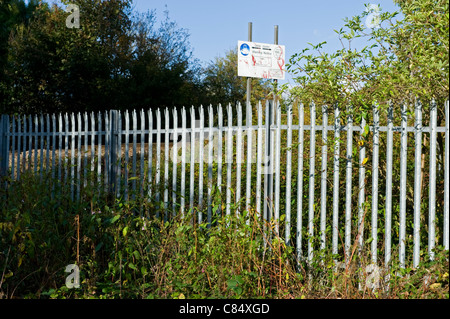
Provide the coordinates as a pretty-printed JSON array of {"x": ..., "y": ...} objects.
[
  {"x": 107, "y": 151},
  {"x": 158, "y": 160},
  {"x": 323, "y": 179},
  {"x": 417, "y": 178},
  {"x": 78, "y": 152},
  {"x": 268, "y": 165},
  {"x": 375, "y": 168},
  {"x": 19, "y": 138},
  {"x": 86, "y": 138},
  {"x": 277, "y": 163},
  {"x": 166, "y": 163},
  {"x": 446, "y": 177},
  {"x": 388, "y": 218},
  {"x": 300, "y": 182},
  {"x": 192, "y": 164},
  {"x": 4, "y": 152},
  {"x": 288, "y": 175},
  {"x": 72, "y": 155},
  {"x": 183, "y": 160},
  {"x": 238, "y": 155},
  {"x": 361, "y": 187},
  {"x": 41, "y": 157},
  {"x": 113, "y": 150},
  {"x": 175, "y": 161},
  {"x": 229, "y": 160},
  {"x": 348, "y": 185},
  {"x": 141, "y": 179},
  {"x": 249, "y": 155},
  {"x": 219, "y": 152},
  {"x": 36, "y": 144},
  {"x": 337, "y": 134},
  {"x": 93, "y": 133},
  {"x": 200, "y": 161},
  {"x": 403, "y": 154},
  {"x": 150, "y": 152},
  {"x": 432, "y": 189},
  {"x": 210, "y": 161},
  {"x": 258, "y": 161},
  {"x": 119, "y": 154},
  {"x": 134, "y": 152},
  {"x": 24, "y": 147},
  {"x": 312, "y": 163},
  {"x": 13, "y": 145}
]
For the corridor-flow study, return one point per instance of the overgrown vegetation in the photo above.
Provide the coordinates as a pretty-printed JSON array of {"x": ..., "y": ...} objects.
[
  {"x": 124, "y": 251},
  {"x": 133, "y": 249}
]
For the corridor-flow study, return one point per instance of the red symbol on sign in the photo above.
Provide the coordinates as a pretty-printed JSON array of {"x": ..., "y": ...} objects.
[{"x": 280, "y": 63}]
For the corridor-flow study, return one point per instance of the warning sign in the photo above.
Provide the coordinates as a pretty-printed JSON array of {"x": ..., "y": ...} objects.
[{"x": 261, "y": 60}]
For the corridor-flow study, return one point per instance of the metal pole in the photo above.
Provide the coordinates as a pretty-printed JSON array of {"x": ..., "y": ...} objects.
[
  {"x": 446, "y": 181},
  {"x": 432, "y": 189},
  {"x": 268, "y": 166},
  {"x": 269, "y": 120},
  {"x": 249, "y": 80},
  {"x": 275, "y": 41},
  {"x": 417, "y": 178}
]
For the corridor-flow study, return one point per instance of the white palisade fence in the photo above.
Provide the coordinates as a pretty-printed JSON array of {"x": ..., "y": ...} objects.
[{"x": 323, "y": 198}]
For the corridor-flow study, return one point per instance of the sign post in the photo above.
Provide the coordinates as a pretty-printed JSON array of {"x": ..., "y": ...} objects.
[
  {"x": 249, "y": 79},
  {"x": 262, "y": 60}
]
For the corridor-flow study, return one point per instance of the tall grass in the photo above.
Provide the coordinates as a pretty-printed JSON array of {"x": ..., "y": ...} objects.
[{"x": 124, "y": 251}]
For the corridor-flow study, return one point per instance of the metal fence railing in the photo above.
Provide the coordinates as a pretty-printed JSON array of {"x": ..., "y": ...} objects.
[{"x": 380, "y": 190}]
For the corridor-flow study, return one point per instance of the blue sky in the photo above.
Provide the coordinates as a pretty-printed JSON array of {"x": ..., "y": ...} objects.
[{"x": 216, "y": 26}]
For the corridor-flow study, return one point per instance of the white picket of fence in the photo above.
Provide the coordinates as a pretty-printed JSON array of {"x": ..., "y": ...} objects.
[{"x": 99, "y": 144}]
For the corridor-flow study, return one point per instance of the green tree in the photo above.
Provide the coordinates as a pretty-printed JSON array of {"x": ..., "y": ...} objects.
[
  {"x": 13, "y": 13},
  {"x": 223, "y": 85},
  {"x": 163, "y": 71},
  {"x": 403, "y": 59},
  {"x": 54, "y": 68},
  {"x": 116, "y": 59}
]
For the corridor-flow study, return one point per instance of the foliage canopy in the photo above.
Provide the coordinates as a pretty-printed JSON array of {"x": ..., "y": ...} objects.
[{"x": 403, "y": 60}]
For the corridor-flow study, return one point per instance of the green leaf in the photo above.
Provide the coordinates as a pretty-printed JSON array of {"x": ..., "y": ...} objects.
[
  {"x": 114, "y": 219},
  {"x": 232, "y": 283},
  {"x": 132, "y": 266},
  {"x": 98, "y": 247},
  {"x": 366, "y": 129}
]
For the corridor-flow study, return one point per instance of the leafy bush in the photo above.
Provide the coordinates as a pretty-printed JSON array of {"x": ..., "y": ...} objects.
[{"x": 124, "y": 251}]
